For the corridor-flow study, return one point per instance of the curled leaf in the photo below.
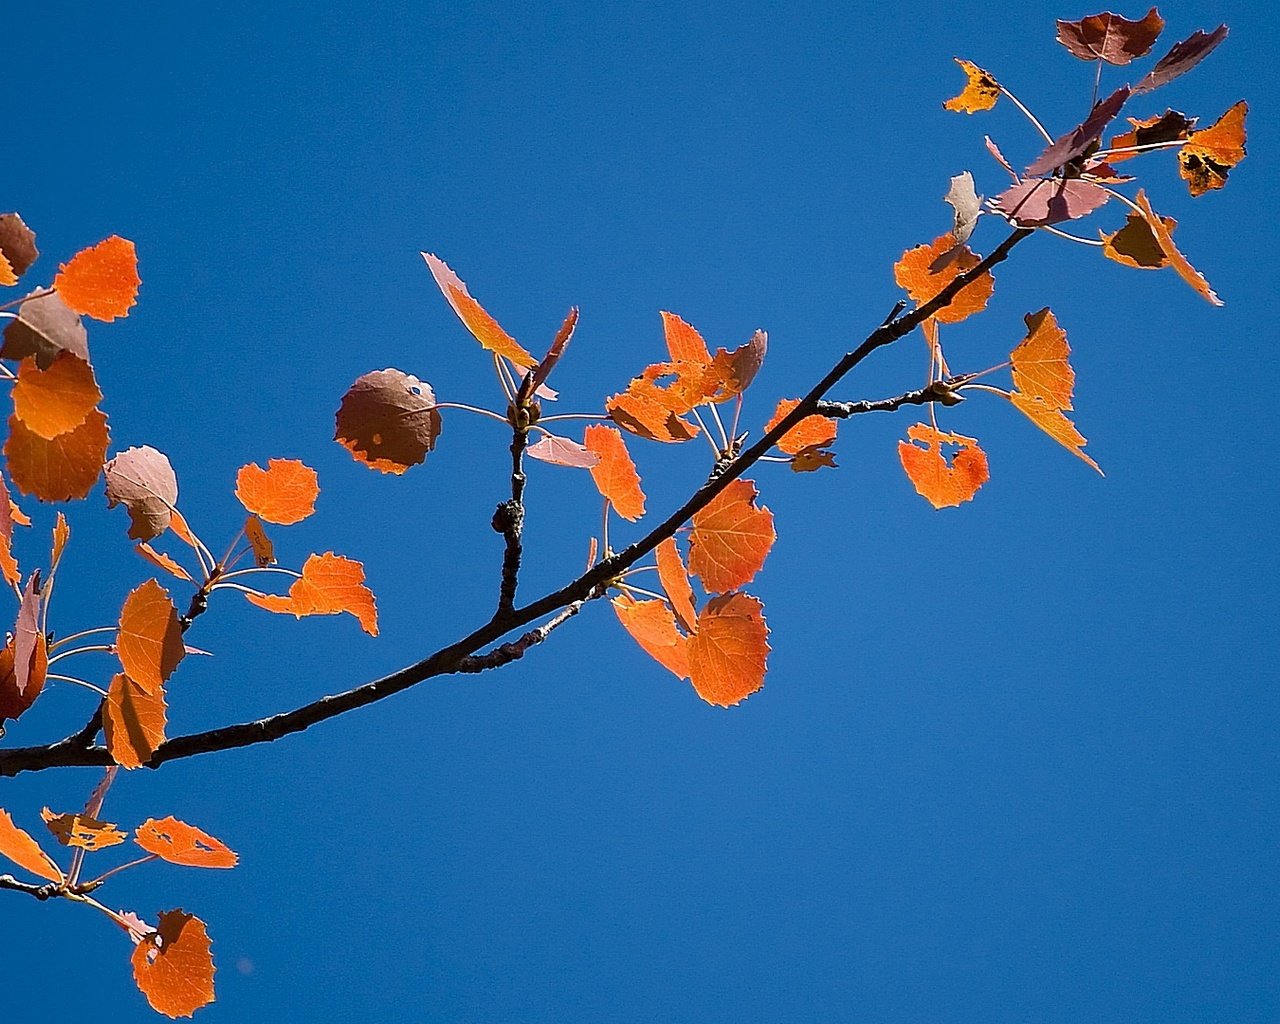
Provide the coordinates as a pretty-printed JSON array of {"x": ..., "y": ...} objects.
[
  {"x": 1181, "y": 58},
  {"x": 943, "y": 484},
  {"x": 388, "y": 420},
  {"x": 329, "y": 584},
  {"x": 26, "y": 633},
  {"x": 675, "y": 581},
  {"x": 142, "y": 480},
  {"x": 101, "y": 282},
  {"x": 284, "y": 493},
  {"x": 1164, "y": 238},
  {"x": 728, "y": 653},
  {"x": 1171, "y": 126},
  {"x": 1135, "y": 245},
  {"x": 264, "y": 552},
  {"x": 14, "y": 703},
  {"x": 83, "y": 832},
  {"x": 980, "y": 92},
  {"x": 162, "y": 561},
  {"x": 563, "y": 451},
  {"x": 484, "y": 328}
]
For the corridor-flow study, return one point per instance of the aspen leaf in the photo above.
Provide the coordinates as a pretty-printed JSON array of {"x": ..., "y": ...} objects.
[
  {"x": 284, "y": 493},
  {"x": 173, "y": 966},
  {"x": 653, "y": 626},
  {"x": 811, "y": 432},
  {"x": 133, "y": 721},
  {"x": 734, "y": 371},
  {"x": 943, "y": 484},
  {"x": 1040, "y": 201},
  {"x": 7, "y": 277},
  {"x": 330, "y": 584},
  {"x": 162, "y": 561},
  {"x": 25, "y": 851},
  {"x": 812, "y": 459},
  {"x": 1181, "y": 58},
  {"x": 684, "y": 343},
  {"x": 388, "y": 420},
  {"x": 1171, "y": 126},
  {"x": 1206, "y": 158},
  {"x": 1135, "y": 245},
  {"x": 912, "y": 274},
  {"x": 640, "y": 412},
  {"x": 179, "y": 843},
  {"x": 26, "y": 632},
  {"x": 53, "y": 401},
  {"x": 8, "y": 564},
  {"x": 149, "y": 641},
  {"x": 484, "y": 328},
  {"x": 563, "y": 451},
  {"x": 1053, "y": 421},
  {"x": 1110, "y": 37},
  {"x": 82, "y": 832},
  {"x": 999, "y": 157},
  {"x": 728, "y": 652},
  {"x": 1180, "y": 263},
  {"x": 730, "y": 538},
  {"x": 45, "y": 326},
  {"x": 62, "y": 468},
  {"x": 1075, "y": 142},
  {"x": 17, "y": 515},
  {"x": 264, "y": 552},
  {"x": 17, "y": 243},
  {"x": 980, "y": 92},
  {"x": 61, "y": 534},
  {"x": 675, "y": 581},
  {"x": 101, "y": 282},
  {"x": 615, "y": 474},
  {"x": 14, "y": 704},
  {"x": 966, "y": 207},
  {"x": 558, "y": 345}
]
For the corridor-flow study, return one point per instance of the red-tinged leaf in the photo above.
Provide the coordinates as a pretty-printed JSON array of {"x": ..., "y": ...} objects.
[
  {"x": 943, "y": 485},
  {"x": 615, "y": 474},
  {"x": 684, "y": 343},
  {"x": 730, "y": 538},
  {"x": 999, "y": 157},
  {"x": 1181, "y": 58},
  {"x": 133, "y": 721},
  {"x": 561, "y": 341},
  {"x": 1053, "y": 421},
  {"x": 811, "y": 432},
  {"x": 1135, "y": 245},
  {"x": 980, "y": 92},
  {"x": 143, "y": 481},
  {"x": 7, "y": 277},
  {"x": 45, "y": 326},
  {"x": 1110, "y": 37},
  {"x": 162, "y": 561},
  {"x": 13, "y": 705},
  {"x": 653, "y": 626},
  {"x": 1209, "y": 154},
  {"x": 484, "y": 328},
  {"x": 1075, "y": 142},
  {"x": 912, "y": 274},
  {"x": 53, "y": 401},
  {"x": 812, "y": 459},
  {"x": 26, "y": 632},
  {"x": 675, "y": 581},
  {"x": 17, "y": 243},
  {"x": 101, "y": 282},
  {"x": 734, "y": 371},
  {"x": 61, "y": 469},
  {"x": 727, "y": 654},
  {"x": 179, "y": 843},
  {"x": 264, "y": 552},
  {"x": 284, "y": 493},
  {"x": 25, "y": 851},
  {"x": 93, "y": 806},
  {"x": 134, "y": 926},
  {"x": 1171, "y": 126},
  {"x": 1039, "y": 201},
  {"x": 83, "y": 832},
  {"x": 330, "y": 584},
  {"x": 149, "y": 642},
  {"x": 173, "y": 966},
  {"x": 388, "y": 420},
  {"x": 563, "y": 451},
  {"x": 1179, "y": 262}
]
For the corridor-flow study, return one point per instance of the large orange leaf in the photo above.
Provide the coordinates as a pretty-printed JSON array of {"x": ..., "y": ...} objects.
[
  {"x": 728, "y": 652},
  {"x": 142, "y": 480},
  {"x": 25, "y": 851},
  {"x": 1041, "y": 367},
  {"x": 683, "y": 341},
  {"x": 1053, "y": 421},
  {"x": 83, "y": 832},
  {"x": 101, "y": 282},
  {"x": 810, "y": 432},
  {"x": 731, "y": 538},
  {"x": 1164, "y": 238},
  {"x": 647, "y": 417},
  {"x": 45, "y": 326},
  {"x": 912, "y": 273},
  {"x": 62, "y": 468},
  {"x": 388, "y": 420},
  {"x": 284, "y": 493},
  {"x": 675, "y": 581},
  {"x": 484, "y": 328},
  {"x": 51, "y": 402},
  {"x": 17, "y": 243},
  {"x": 133, "y": 721},
  {"x": 149, "y": 643},
  {"x": 180, "y": 843},
  {"x": 1208, "y": 155},
  {"x": 173, "y": 966},
  {"x": 980, "y": 92},
  {"x": 944, "y": 485},
  {"x": 330, "y": 584},
  {"x": 615, "y": 474},
  {"x": 653, "y": 626}
]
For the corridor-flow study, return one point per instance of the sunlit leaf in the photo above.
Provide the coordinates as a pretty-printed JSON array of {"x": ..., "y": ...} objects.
[
  {"x": 162, "y": 561},
  {"x": 734, "y": 371},
  {"x": 133, "y": 721},
  {"x": 1180, "y": 263},
  {"x": 8, "y": 564},
  {"x": 615, "y": 474},
  {"x": 912, "y": 274},
  {"x": 284, "y": 493},
  {"x": 62, "y": 468},
  {"x": 558, "y": 345},
  {"x": 101, "y": 282},
  {"x": 684, "y": 343},
  {"x": 44, "y": 327},
  {"x": 7, "y": 277},
  {"x": 25, "y": 851},
  {"x": 1208, "y": 155},
  {"x": 1135, "y": 245},
  {"x": 17, "y": 243},
  {"x": 1111, "y": 37},
  {"x": 173, "y": 967},
  {"x": 180, "y": 843},
  {"x": 653, "y": 626},
  {"x": 730, "y": 538},
  {"x": 728, "y": 652},
  {"x": 811, "y": 432},
  {"x": 330, "y": 584},
  {"x": 1053, "y": 421},
  {"x": 149, "y": 641},
  {"x": 388, "y": 420},
  {"x": 14, "y": 704},
  {"x": 484, "y": 328},
  {"x": 83, "y": 832},
  {"x": 675, "y": 581},
  {"x": 943, "y": 484},
  {"x": 980, "y": 92}
]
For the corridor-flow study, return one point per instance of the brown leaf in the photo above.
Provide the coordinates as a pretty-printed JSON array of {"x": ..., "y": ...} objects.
[
  {"x": 388, "y": 420},
  {"x": 264, "y": 552},
  {"x": 101, "y": 282},
  {"x": 1171, "y": 126},
  {"x": 1182, "y": 58},
  {"x": 45, "y": 326},
  {"x": 734, "y": 371},
  {"x": 330, "y": 584},
  {"x": 980, "y": 92},
  {"x": 284, "y": 493},
  {"x": 653, "y": 626},
  {"x": 615, "y": 474},
  {"x": 1135, "y": 245},
  {"x": 1110, "y": 37},
  {"x": 943, "y": 485},
  {"x": 1209, "y": 154},
  {"x": 63, "y": 468},
  {"x": 133, "y": 721},
  {"x": 730, "y": 538},
  {"x": 25, "y": 851},
  {"x": 17, "y": 243},
  {"x": 1180, "y": 263},
  {"x": 1075, "y": 142},
  {"x": 811, "y": 459},
  {"x": 173, "y": 967},
  {"x": 83, "y": 832},
  {"x": 179, "y": 843},
  {"x": 727, "y": 654},
  {"x": 142, "y": 480},
  {"x": 149, "y": 641}
]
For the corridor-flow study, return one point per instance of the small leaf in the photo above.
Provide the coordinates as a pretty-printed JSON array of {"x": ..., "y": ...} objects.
[
  {"x": 615, "y": 474},
  {"x": 149, "y": 641},
  {"x": 101, "y": 282},
  {"x": 1040, "y": 201},
  {"x": 143, "y": 481},
  {"x": 44, "y": 327},
  {"x": 179, "y": 843},
  {"x": 25, "y": 851},
  {"x": 734, "y": 371},
  {"x": 17, "y": 243},
  {"x": 1180, "y": 263},
  {"x": 7, "y": 277},
  {"x": 162, "y": 561},
  {"x": 912, "y": 274},
  {"x": 943, "y": 485},
  {"x": 26, "y": 632},
  {"x": 980, "y": 92},
  {"x": 62, "y": 468},
  {"x": 811, "y": 432},
  {"x": 653, "y": 626},
  {"x": 330, "y": 584},
  {"x": 284, "y": 493},
  {"x": 675, "y": 581},
  {"x": 61, "y": 535},
  {"x": 563, "y": 451},
  {"x": 388, "y": 420},
  {"x": 558, "y": 344},
  {"x": 484, "y": 328},
  {"x": 1182, "y": 58},
  {"x": 1208, "y": 155},
  {"x": 173, "y": 966},
  {"x": 264, "y": 552},
  {"x": 963, "y": 198},
  {"x": 133, "y": 721},
  {"x": 727, "y": 654},
  {"x": 730, "y": 538},
  {"x": 8, "y": 564},
  {"x": 83, "y": 832},
  {"x": 1134, "y": 245},
  {"x": 1110, "y": 37},
  {"x": 812, "y": 459},
  {"x": 1171, "y": 126},
  {"x": 1053, "y": 421}
]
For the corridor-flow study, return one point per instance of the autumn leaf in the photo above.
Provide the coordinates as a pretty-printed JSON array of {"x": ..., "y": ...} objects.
[
  {"x": 14, "y": 703},
  {"x": 388, "y": 420},
  {"x": 484, "y": 328},
  {"x": 8, "y": 564},
  {"x": 1135, "y": 245},
  {"x": 264, "y": 552},
  {"x": 45, "y": 326},
  {"x": 734, "y": 371},
  {"x": 1164, "y": 238},
  {"x": 1053, "y": 421},
  {"x": 17, "y": 243},
  {"x": 812, "y": 459},
  {"x": 53, "y": 401},
  {"x": 82, "y": 832},
  {"x": 133, "y": 721},
  {"x": 162, "y": 561},
  {"x": 179, "y": 843},
  {"x": 284, "y": 493},
  {"x": 1075, "y": 142},
  {"x": 143, "y": 481},
  {"x": 730, "y": 538},
  {"x": 615, "y": 474},
  {"x": 149, "y": 641},
  {"x": 646, "y": 408},
  {"x": 728, "y": 652},
  {"x": 1181, "y": 58},
  {"x": 1110, "y": 37},
  {"x": 912, "y": 274},
  {"x": 62, "y": 468},
  {"x": 558, "y": 345},
  {"x": 811, "y": 432},
  {"x": 7, "y": 277},
  {"x": 943, "y": 484},
  {"x": 684, "y": 343},
  {"x": 653, "y": 626},
  {"x": 101, "y": 282},
  {"x": 966, "y": 206},
  {"x": 26, "y": 633},
  {"x": 173, "y": 966},
  {"x": 675, "y": 581},
  {"x": 563, "y": 451},
  {"x": 1208, "y": 155},
  {"x": 1171, "y": 126},
  {"x": 1040, "y": 201},
  {"x": 25, "y": 851},
  {"x": 980, "y": 92},
  {"x": 329, "y": 584}
]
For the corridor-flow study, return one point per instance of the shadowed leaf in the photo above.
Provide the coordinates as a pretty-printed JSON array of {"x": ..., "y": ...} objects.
[
  {"x": 1049, "y": 201},
  {"x": 133, "y": 721},
  {"x": 388, "y": 420},
  {"x": 563, "y": 451},
  {"x": 1208, "y": 155},
  {"x": 45, "y": 326},
  {"x": 1171, "y": 126},
  {"x": 912, "y": 274},
  {"x": 62, "y": 468},
  {"x": 83, "y": 832},
  {"x": 173, "y": 966},
  {"x": 143, "y": 481},
  {"x": 1075, "y": 142},
  {"x": 149, "y": 641},
  {"x": 1179, "y": 262},
  {"x": 1134, "y": 245},
  {"x": 17, "y": 243},
  {"x": 1181, "y": 58},
  {"x": 1110, "y": 37},
  {"x": 675, "y": 581}
]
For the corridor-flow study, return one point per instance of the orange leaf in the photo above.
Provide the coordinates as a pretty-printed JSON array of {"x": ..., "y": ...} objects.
[
  {"x": 14, "y": 702},
  {"x": 728, "y": 652},
  {"x": 284, "y": 493},
  {"x": 731, "y": 538},
  {"x": 162, "y": 561},
  {"x": 484, "y": 328},
  {"x": 980, "y": 92},
  {"x": 1053, "y": 421},
  {"x": 388, "y": 420},
  {"x": 1179, "y": 262},
  {"x": 1171, "y": 126},
  {"x": 734, "y": 371},
  {"x": 25, "y": 851},
  {"x": 647, "y": 417},
  {"x": 675, "y": 581},
  {"x": 942, "y": 484},
  {"x": 149, "y": 643},
  {"x": 812, "y": 459},
  {"x": 1208, "y": 155},
  {"x": 180, "y": 843},
  {"x": 9, "y": 564},
  {"x": 61, "y": 468},
  {"x": 653, "y": 626},
  {"x": 142, "y": 480},
  {"x": 264, "y": 552},
  {"x": 615, "y": 474},
  {"x": 1134, "y": 245},
  {"x": 101, "y": 282},
  {"x": 912, "y": 273},
  {"x": 53, "y": 401},
  {"x": 8, "y": 510},
  {"x": 683, "y": 341},
  {"x": 7, "y": 276},
  {"x": 173, "y": 967},
  {"x": 61, "y": 534},
  {"x": 133, "y": 721},
  {"x": 330, "y": 584},
  {"x": 810, "y": 432},
  {"x": 1040, "y": 361},
  {"x": 83, "y": 832}
]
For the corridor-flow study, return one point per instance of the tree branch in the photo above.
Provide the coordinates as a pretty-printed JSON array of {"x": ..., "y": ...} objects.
[
  {"x": 40, "y": 892},
  {"x": 941, "y": 391},
  {"x": 509, "y": 652},
  {"x": 508, "y": 520}
]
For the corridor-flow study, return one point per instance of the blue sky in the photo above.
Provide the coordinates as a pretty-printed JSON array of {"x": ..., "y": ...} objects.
[{"x": 1014, "y": 761}]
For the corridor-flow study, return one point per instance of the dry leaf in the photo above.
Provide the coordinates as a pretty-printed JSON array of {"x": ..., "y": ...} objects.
[
  {"x": 1182, "y": 58},
  {"x": 162, "y": 561},
  {"x": 388, "y": 420},
  {"x": 1171, "y": 126},
  {"x": 1208, "y": 155},
  {"x": 1075, "y": 142},
  {"x": 1134, "y": 245},
  {"x": 1179, "y": 262},
  {"x": 143, "y": 481},
  {"x": 83, "y": 832},
  {"x": 980, "y": 91},
  {"x": 264, "y": 552},
  {"x": 1110, "y": 37},
  {"x": 17, "y": 243},
  {"x": 45, "y": 326}
]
